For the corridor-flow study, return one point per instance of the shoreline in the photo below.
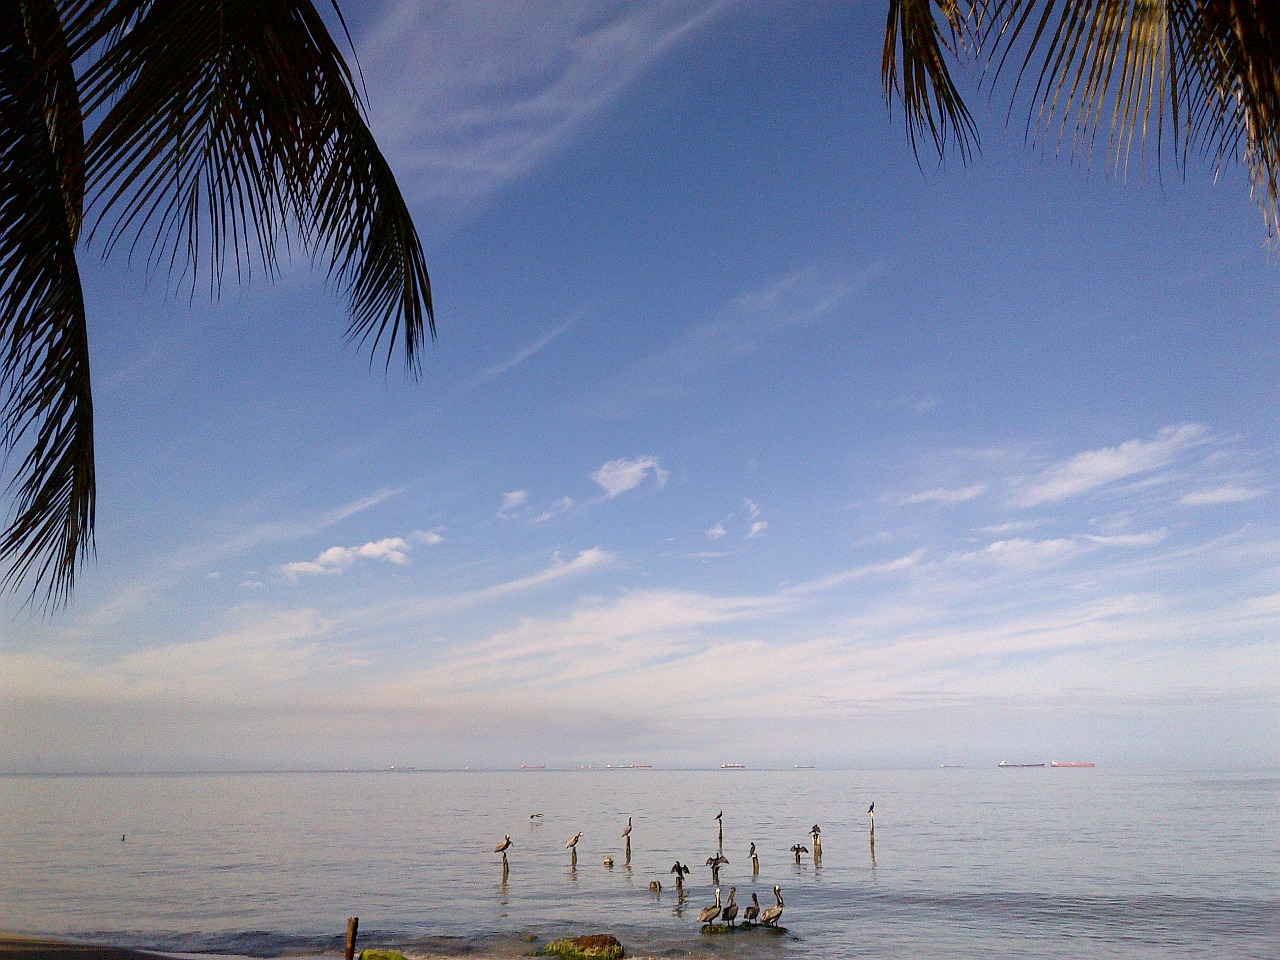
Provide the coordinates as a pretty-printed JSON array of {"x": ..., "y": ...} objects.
[{"x": 15, "y": 946}]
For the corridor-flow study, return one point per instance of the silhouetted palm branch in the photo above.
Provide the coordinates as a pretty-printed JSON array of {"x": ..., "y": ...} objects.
[
  {"x": 223, "y": 132},
  {"x": 1200, "y": 75},
  {"x": 47, "y": 415}
]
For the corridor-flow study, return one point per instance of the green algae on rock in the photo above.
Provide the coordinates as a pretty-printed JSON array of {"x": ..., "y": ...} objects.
[
  {"x": 598, "y": 946},
  {"x": 376, "y": 954}
]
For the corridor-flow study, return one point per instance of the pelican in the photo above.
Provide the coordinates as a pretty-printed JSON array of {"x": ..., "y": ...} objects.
[
  {"x": 627, "y": 832},
  {"x": 752, "y": 913},
  {"x": 709, "y": 914},
  {"x": 502, "y": 847},
  {"x": 798, "y": 849},
  {"x": 730, "y": 911},
  {"x": 572, "y": 842},
  {"x": 770, "y": 917},
  {"x": 608, "y": 861}
]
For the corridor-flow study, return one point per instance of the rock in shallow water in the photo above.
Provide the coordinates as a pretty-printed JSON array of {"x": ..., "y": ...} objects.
[{"x": 598, "y": 946}]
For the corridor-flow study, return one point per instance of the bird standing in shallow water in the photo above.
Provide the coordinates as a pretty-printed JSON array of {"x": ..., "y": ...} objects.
[
  {"x": 709, "y": 914},
  {"x": 770, "y": 917}
]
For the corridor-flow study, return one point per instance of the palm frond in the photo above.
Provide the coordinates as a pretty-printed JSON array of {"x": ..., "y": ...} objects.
[
  {"x": 47, "y": 412},
  {"x": 1232, "y": 79},
  {"x": 920, "y": 37},
  {"x": 1195, "y": 75},
  {"x": 230, "y": 127}
]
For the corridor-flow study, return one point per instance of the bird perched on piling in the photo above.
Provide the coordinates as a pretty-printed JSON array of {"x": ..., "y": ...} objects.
[
  {"x": 770, "y": 917},
  {"x": 752, "y": 913},
  {"x": 717, "y": 861},
  {"x": 730, "y": 911},
  {"x": 709, "y": 914},
  {"x": 572, "y": 842},
  {"x": 872, "y": 809},
  {"x": 755, "y": 860},
  {"x": 502, "y": 847},
  {"x": 627, "y": 832},
  {"x": 534, "y": 816},
  {"x": 679, "y": 869},
  {"x": 798, "y": 849}
]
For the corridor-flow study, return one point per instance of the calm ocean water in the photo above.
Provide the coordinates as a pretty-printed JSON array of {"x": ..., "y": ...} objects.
[{"x": 968, "y": 863}]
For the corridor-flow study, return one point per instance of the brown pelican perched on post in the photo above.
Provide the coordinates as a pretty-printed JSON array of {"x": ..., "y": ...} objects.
[
  {"x": 770, "y": 917},
  {"x": 798, "y": 849},
  {"x": 752, "y": 913},
  {"x": 709, "y": 914},
  {"x": 730, "y": 911},
  {"x": 502, "y": 847},
  {"x": 572, "y": 842},
  {"x": 755, "y": 860}
]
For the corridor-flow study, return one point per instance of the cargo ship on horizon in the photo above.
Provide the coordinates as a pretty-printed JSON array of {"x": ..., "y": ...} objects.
[{"x": 1055, "y": 763}]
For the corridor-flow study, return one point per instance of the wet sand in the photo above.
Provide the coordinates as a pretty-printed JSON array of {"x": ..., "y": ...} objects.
[{"x": 40, "y": 948}]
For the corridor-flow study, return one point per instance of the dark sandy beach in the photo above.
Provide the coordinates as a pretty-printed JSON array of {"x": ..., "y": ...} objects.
[{"x": 39, "y": 948}]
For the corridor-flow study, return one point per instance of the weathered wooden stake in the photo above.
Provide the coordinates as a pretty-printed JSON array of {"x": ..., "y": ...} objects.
[
  {"x": 353, "y": 924},
  {"x": 628, "y": 849}
]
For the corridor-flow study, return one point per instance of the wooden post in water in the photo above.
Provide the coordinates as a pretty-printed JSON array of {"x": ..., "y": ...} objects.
[
  {"x": 353, "y": 924},
  {"x": 628, "y": 849},
  {"x": 873, "y": 834}
]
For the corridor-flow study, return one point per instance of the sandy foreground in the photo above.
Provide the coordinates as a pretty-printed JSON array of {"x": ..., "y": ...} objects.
[
  {"x": 17, "y": 947},
  {"x": 39, "y": 948}
]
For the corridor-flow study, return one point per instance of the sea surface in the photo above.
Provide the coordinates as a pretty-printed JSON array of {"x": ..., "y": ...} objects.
[{"x": 967, "y": 863}]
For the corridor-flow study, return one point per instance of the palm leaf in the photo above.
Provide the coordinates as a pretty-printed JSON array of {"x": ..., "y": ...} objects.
[
  {"x": 47, "y": 413},
  {"x": 232, "y": 127},
  {"x": 919, "y": 38},
  {"x": 1198, "y": 75}
]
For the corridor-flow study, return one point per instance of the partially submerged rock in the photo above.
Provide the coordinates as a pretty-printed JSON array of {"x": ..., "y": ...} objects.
[
  {"x": 376, "y": 954},
  {"x": 597, "y": 946}
]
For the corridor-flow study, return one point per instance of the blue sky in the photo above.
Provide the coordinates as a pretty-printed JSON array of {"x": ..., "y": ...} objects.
[{"x": 746, "y": 439}]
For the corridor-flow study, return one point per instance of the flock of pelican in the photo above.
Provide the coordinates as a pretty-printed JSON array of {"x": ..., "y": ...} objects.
[{"x": 726, "y": 913}]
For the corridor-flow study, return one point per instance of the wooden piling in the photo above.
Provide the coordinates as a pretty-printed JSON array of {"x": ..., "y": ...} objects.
[{"x": 353, "y": 923}]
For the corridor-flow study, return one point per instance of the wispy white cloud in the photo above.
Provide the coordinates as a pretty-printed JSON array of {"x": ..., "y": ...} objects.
[
  {"x": 467, "y": 97},
  {"x": 557, "y": 507},
  {"x": 717, "y": 532},
  {"x": 337, "y": 559},
  {"x": 618, "y": 476},
  {"x": 530, "y": 351},
  {"x": 757, "y": 527},
  {"x": 512, "y": 501},
  {"x": 1231, "y": 493},
  {"x": 945, "y": 495},
  {"x": 748, "y": 323},
  {"x": 1093, "y": 469}
]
